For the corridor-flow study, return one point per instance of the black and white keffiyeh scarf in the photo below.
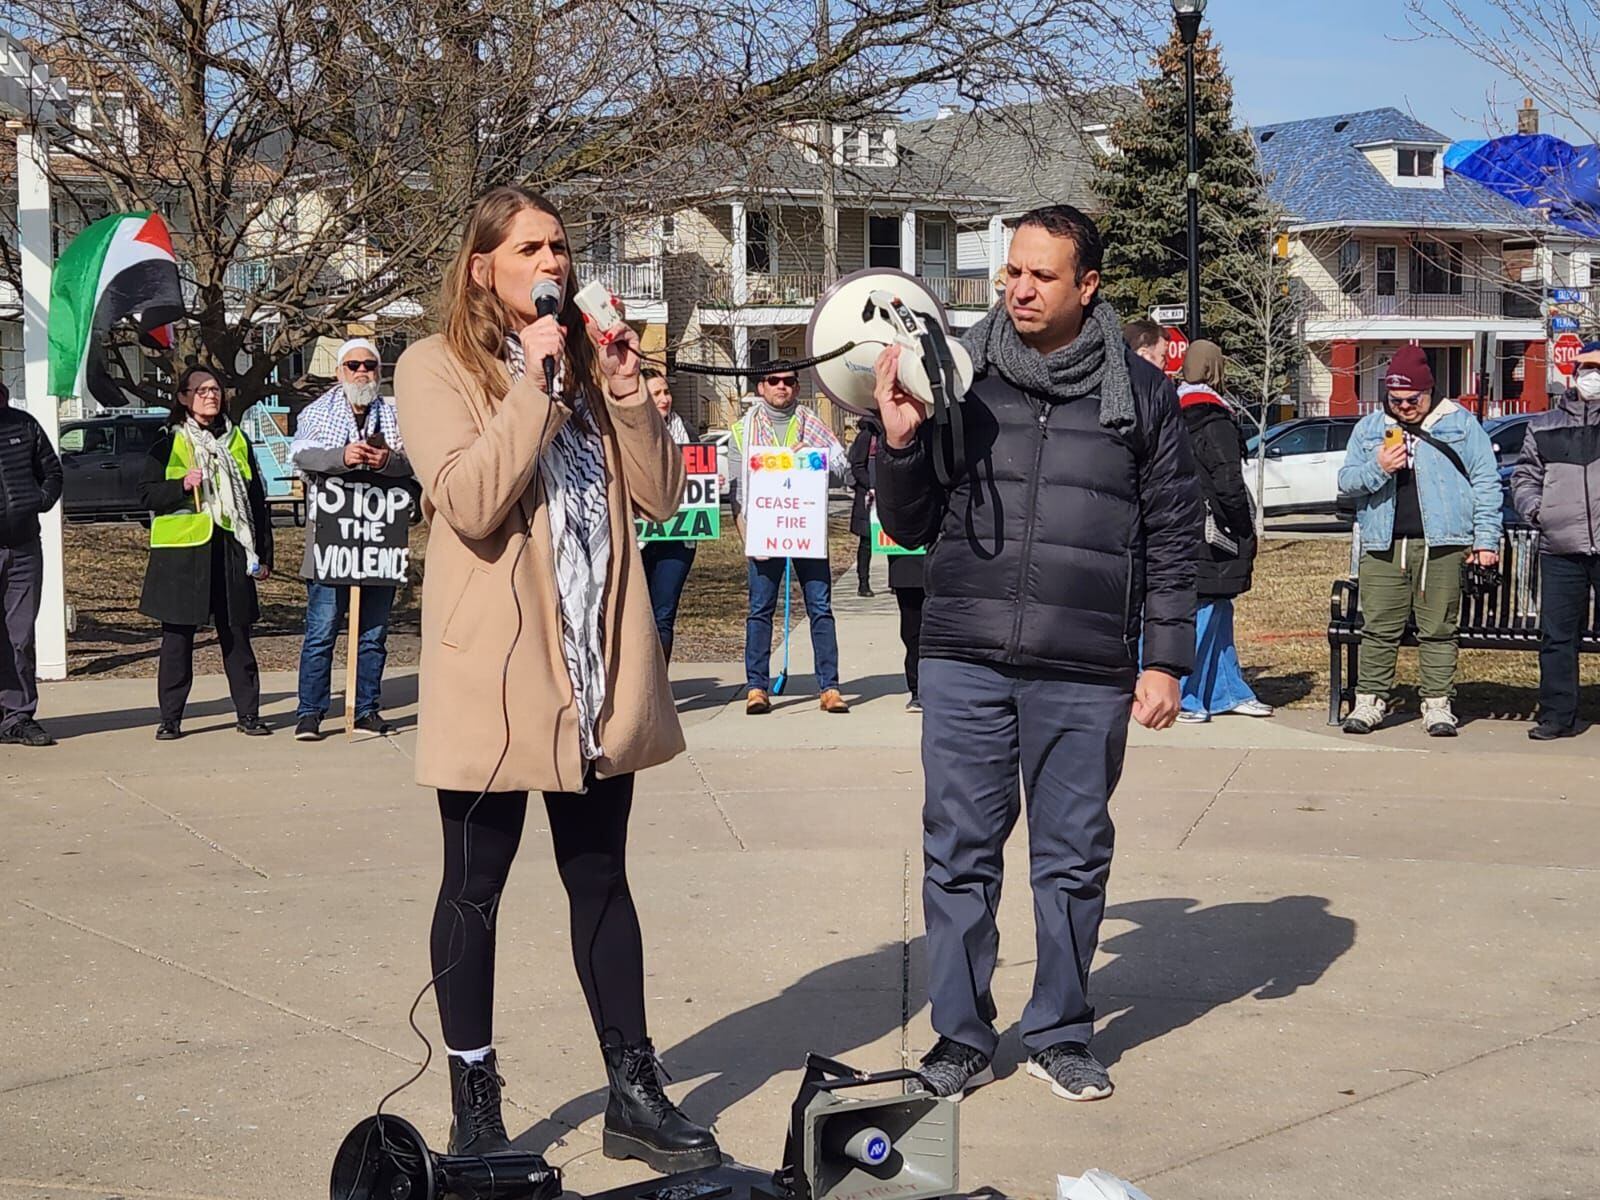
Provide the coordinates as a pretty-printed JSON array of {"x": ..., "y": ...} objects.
[
  {"x": 574, "y": 468},
  {"x": 223, "y": 492}
]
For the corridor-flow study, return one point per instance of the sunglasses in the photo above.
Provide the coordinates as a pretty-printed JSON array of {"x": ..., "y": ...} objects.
[
  {"x": 787, "y": 381},
  {"x": 361, "y": 364}
]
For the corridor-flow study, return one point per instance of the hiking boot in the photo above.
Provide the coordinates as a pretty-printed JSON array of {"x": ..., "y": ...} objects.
[
  {"x": 308, "y": 729},
  {"x": 952, "y": 1069},
  {"x": 1367, "y": 715},
  {"x": 756, "y": 703},
  {"x": 832, "y": 702},
  {"x": 477, "y": 1126},
  {"x": 252, "y": 727},
  {"x": 642, "y": 1123},
  {"x": 168, "y": 731},
  {"x": 375, "y": 724},
  {"x": 26, "y": 732},
  {"x": 1437, "y": 718},
  {"x": 1072, "y": 1072},
  {"x": 1549, "y": 731}
]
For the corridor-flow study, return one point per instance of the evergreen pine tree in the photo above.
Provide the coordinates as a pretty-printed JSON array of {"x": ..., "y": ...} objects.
[{"x": 1245, "y": 300}]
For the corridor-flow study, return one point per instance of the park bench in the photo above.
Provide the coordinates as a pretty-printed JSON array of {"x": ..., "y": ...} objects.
[{"x": 1507, "y": 619}]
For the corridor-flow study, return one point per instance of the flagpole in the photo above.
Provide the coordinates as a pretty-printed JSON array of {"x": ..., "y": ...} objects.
[{"x": 33, "y": 237}]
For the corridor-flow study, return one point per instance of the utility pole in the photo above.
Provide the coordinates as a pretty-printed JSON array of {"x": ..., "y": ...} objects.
[{"x": 830, "y": 213}]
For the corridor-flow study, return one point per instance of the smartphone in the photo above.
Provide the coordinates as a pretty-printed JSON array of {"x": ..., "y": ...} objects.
[
  {"x": 1393, "y": 436},
  {"x": 376, "y": 440}
]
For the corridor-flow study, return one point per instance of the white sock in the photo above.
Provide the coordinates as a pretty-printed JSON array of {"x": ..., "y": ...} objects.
[{"x": 472, "y": 1056}]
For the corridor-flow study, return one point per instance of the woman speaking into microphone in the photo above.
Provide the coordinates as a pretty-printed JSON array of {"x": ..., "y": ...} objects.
[{"x": 541, "y": 668}]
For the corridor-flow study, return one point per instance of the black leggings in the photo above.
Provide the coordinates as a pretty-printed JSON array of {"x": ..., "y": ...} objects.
[{"x": 590, "y": 834}]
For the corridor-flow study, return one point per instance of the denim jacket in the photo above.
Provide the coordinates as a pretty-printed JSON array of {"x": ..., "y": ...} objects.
[{"x": 1454, "y": 511}]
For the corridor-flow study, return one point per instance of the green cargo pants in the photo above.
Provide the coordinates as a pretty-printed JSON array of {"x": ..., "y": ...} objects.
[{"x": 1410, "y": 580}]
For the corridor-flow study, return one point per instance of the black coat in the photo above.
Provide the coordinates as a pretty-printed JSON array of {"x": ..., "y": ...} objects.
[
  {"x": 178, "y": 581},
  {"x": 861, "y": 471},
  {"x": 1219, "y": 458},
  {"x": 30, "y": 477},
  {"x": 1063, "y": 541}
]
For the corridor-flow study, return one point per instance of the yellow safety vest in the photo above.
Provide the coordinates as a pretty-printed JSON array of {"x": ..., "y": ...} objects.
[{"x": 180, "y": 531}]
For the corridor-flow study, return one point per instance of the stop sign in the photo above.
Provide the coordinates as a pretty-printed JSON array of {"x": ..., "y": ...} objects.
[
  {"x": 1177, "y": 348},
  {"x": 1565, "y": 354}
]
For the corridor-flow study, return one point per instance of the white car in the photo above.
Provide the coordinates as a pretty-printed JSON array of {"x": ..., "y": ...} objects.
[
  {"x": 1303, "y": 458},
  {"x": 722, "y": 439}
]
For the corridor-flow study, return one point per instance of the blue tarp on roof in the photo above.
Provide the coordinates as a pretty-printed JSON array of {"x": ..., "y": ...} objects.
[{"x": 1536, "y": 170}]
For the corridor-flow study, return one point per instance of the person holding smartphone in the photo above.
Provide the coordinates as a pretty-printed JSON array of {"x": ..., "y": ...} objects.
[
  {"x": 350, "y": 428},
  {"x": 1423, "y": 475}
]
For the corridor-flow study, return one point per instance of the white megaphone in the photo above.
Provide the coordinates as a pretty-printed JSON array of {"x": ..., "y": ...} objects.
[{"x": 875, "y": 308}]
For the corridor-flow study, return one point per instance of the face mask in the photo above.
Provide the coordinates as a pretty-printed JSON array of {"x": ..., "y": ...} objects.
[
  {"x": 361, "y": 395},
  {"x": 1588, "y": 385}
]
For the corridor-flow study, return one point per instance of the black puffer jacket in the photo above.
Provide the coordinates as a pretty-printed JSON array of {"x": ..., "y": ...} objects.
[
  {"x": 1063, "y": 540},
  {"x": 30, "y": 477},
  {"x": 1218, "y": 458}
]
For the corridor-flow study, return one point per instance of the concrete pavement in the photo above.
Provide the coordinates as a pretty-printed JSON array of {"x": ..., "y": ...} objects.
[{"x": 1330, "y": 968}]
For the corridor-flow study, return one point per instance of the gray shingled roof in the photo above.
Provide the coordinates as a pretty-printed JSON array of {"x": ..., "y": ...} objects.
[
  {"x": 1034, "y": 154},
  {"x": 1316, "y": 171}
]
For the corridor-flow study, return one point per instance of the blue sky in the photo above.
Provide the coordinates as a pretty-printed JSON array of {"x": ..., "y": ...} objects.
[{"x": 1309, "y": 58}]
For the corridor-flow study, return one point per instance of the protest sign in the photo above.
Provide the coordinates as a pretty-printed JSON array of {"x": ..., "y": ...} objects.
[
  {"x": 786, "y": 512},
  {"x": 882, "y": 543},
  {"x": 362, "y": 527},
  {"x": 699, "y": 517}
]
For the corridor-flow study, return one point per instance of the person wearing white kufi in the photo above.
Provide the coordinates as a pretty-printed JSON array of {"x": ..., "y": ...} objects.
[{"x": 349, "y": 428}]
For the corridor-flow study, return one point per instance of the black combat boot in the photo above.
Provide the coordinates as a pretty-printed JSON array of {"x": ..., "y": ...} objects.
[
  {"x": 642, "y": 1123},
  {"x": 477, "y": 1127}
]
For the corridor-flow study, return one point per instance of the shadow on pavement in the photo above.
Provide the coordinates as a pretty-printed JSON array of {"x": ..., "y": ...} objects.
[
  {"x": 1182, "y": 961},
  {"x": 78, "y": 725},
  {"x": 743, "y": 1051}
]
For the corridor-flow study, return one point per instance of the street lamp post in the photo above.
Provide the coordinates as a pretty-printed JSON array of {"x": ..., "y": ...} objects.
[{"x": 1188, "y": 14}]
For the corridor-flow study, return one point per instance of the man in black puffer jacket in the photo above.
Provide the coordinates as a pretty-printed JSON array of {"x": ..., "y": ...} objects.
[
  {"x": 1074, "y": 527},
  {"x": 30, "y": 483}
]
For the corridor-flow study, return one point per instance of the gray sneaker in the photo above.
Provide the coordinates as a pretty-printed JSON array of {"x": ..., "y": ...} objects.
[
  {"x": 1438, "y": 719},
  {"x": 1072, "y": 1072},
  {"x": 952, "y": 1069},
  {"x": 1367, "y": 715}
]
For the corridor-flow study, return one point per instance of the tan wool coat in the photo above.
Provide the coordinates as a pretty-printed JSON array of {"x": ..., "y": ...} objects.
[{"x": 489, "y": 556}]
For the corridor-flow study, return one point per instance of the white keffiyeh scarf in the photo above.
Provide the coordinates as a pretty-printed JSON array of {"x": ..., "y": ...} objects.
[
  {"x": 574, "y": 469},
  {"x": 224, "y": 495}
]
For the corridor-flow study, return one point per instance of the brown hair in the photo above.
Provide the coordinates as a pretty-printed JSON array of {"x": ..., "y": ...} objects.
[
  {"x": 1141, "y": 333},
  {"x": 180, "y": 411},
  {"x": 475, "y": 320}
]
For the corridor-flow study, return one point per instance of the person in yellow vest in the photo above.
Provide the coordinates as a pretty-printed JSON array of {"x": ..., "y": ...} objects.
[{"x": 210, "y": 541}]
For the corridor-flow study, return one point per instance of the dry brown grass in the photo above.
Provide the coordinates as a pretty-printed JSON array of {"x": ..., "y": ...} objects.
[
  {"x": 1281, "y": 628},
  {"x": 1281, "y": 623},
  {"x": 105, "y": 571}
]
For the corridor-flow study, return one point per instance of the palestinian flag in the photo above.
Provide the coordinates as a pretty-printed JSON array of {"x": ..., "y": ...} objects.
[{"x": 120, "y": 266}]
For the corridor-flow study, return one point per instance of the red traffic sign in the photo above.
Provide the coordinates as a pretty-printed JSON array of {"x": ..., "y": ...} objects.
[
  {"x": 1565, "y": 354},
  {"x": 1177, "y": 348}
]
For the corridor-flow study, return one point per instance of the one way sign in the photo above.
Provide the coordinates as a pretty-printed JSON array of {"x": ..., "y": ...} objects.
[{"x": 1170, "y": 314}]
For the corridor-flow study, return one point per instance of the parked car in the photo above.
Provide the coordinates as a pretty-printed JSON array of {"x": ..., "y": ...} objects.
[
  {"x": 101, "y": 461},
  {"x": 722, "y": 439},
  {"x": 1303, "y": 458},
  {"x": 1508, "y": 433}
]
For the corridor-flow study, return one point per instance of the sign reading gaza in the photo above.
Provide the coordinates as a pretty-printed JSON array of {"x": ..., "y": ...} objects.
[
  {"x": 699, "y": 517},
  {"x": 363, "y": 529}
]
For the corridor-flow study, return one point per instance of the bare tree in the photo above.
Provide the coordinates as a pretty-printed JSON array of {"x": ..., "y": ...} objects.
[{"x": 315, "y": 157}]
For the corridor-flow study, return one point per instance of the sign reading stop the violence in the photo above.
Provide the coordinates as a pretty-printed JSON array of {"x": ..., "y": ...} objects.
[
  {"x": 1565, "y": 354},
  {"x": 1177, "y": 349},
  {"x": 786, "y": 513},
  {"x": 363, "y": 530},
  {"x": 699, "y": 517}
]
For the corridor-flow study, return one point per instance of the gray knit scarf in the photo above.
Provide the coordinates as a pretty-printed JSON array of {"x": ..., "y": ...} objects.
[{"x": 1091, "y": 362}]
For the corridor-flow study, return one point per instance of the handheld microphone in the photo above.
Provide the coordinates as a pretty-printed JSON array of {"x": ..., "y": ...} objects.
[{"x": 547, "y": 303}]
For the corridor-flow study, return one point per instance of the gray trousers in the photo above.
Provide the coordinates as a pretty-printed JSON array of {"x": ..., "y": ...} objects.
[
  {"x": 21, "y": 577},
  {"x": 986, "y": 728}
]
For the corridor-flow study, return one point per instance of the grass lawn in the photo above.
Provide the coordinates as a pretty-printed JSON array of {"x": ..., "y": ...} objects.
[{"x": 1281, "y": 624}]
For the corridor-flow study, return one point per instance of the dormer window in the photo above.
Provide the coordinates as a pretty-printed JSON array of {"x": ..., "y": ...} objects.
[
  {"x": 870, "y": 146},
  {"x": 1415, "y": 164}
]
